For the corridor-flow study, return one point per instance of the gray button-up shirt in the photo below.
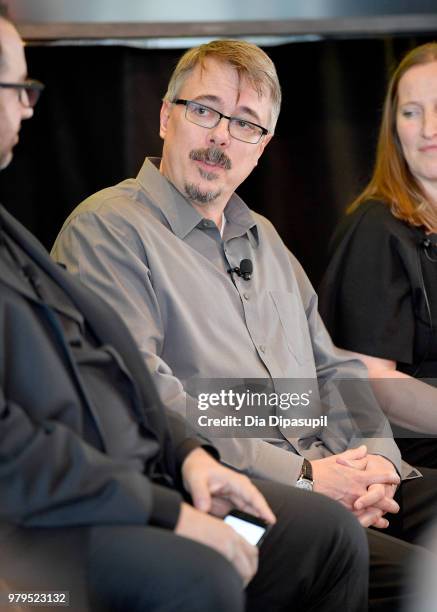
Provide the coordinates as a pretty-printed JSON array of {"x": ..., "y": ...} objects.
[{"x": 147, "y": 251}]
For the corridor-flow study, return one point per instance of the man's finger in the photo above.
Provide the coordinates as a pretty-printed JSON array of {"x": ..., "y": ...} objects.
[
  {"x": 387, "y": 504},
  {"x": 200, "y": 494},
  {"x": 388, "y": 478},
  {"x": 369, "y": 517},
  {"x": 246, "y": 497},
  {"x": 356, "y": 464},
  {"x": 371, "y": 498},
  {"x": 220, "y": 506},
  {"x": 246, "y": 560},
  {"x": 354, "y": 453},
  {"x": 381, "y": 523}
]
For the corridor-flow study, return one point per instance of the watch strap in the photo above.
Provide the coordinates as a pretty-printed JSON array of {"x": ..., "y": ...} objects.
[{"x": 306, "y": 472}]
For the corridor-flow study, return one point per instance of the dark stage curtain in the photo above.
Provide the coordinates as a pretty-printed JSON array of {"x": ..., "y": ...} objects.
[{"x": 98, "y": 119}]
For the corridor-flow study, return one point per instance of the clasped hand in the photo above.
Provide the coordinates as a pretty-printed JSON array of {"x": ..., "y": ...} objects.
[{"x": 363, "y": 483}]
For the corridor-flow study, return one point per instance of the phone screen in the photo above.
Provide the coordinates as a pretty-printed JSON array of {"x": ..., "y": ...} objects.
[{"x": 248, "y": 530}]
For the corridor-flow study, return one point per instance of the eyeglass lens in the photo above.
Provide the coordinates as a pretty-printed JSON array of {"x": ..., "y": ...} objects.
[
  {"x": 208, "y": 117},
  {"x": 29, "y": 96}
]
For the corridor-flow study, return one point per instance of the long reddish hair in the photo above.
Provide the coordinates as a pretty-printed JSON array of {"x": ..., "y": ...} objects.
[{"x": 392, "y": 181}]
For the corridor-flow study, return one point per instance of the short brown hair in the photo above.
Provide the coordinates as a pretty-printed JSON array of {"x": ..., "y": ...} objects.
[
  {"x": 249, "y": 61},
  {"x": 392, "y": 180}
]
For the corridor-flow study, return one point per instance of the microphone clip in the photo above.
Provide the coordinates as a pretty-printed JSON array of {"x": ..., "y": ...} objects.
[{"x": 244, "y": 270}]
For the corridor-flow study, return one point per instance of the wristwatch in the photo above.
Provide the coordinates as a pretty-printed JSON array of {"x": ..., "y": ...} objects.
[{"x": 305, "y": 480}]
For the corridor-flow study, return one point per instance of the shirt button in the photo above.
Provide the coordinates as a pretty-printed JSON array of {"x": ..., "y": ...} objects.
[
  {"x": 262, "y": 348},
  {"x": 246, "y": 296}
]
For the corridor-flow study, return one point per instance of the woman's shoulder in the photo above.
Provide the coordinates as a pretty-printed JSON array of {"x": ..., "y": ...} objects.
[
  {"x": 373, "y": 222},
  {"x": 376, "y": 212}
]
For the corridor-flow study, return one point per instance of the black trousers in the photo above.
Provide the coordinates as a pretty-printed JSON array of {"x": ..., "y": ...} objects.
[
  {"x": 395, "y": 551},
  {"x": 419, "y": 451},
  {"x": 393, "y": 554},
  {"x": 315, "y": 558},
  {"x": 418, "y": 501}
]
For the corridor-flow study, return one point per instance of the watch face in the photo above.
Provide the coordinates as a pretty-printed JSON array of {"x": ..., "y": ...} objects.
[{"x": 304, "y": 484}]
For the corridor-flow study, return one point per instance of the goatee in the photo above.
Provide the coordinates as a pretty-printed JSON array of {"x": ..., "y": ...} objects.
[
  {"x": 194, "y": 194},
  {"x": 212, "y": 155}
]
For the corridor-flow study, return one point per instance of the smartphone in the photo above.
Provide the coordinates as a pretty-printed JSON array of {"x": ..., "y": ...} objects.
[{"x": 250, "y": 527}]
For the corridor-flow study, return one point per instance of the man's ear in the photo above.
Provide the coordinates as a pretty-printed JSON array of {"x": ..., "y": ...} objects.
[
  {"x": 262, "y": 145},
  {"x": 163, "y": 118},
  {"x": 265, "y": 141}
]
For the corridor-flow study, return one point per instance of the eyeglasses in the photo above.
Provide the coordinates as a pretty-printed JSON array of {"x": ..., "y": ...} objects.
[
  {"x": 206, "y": 117},
  {"x": 28, "y": 91}
]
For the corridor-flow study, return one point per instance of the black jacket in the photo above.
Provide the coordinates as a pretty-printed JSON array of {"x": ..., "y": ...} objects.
[{"x": 49, "y": 474}]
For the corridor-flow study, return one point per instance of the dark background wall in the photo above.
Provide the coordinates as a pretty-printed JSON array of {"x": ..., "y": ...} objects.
[{"x": 98, "y": 118}]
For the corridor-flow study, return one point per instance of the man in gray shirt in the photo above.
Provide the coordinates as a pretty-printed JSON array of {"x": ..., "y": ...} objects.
[
  {"x": 159, "y": 248},
  {"x": 94, "y": 478}
]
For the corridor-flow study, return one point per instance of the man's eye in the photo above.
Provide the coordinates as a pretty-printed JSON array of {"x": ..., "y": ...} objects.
[
  {"x": 243, "y": 125},
  {"x": 201, "y": 111}
]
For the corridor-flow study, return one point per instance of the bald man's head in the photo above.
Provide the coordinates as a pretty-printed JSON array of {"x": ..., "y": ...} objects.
[{"x": 13, "y": 69}]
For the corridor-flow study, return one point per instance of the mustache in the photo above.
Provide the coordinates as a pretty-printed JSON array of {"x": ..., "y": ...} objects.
[{"x": 213, "y": 155}]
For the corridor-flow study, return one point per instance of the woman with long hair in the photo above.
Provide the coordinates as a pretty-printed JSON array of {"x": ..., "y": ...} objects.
[{"x": 379, "y": 295}]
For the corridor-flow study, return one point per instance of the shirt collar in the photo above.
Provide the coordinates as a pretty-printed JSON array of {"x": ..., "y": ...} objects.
[
  {"x": 222, "y": 227},
  {"x": 180, "y": 214}
]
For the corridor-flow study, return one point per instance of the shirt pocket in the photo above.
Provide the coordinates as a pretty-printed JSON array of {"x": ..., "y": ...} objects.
[{"x": 294, "y": 324}]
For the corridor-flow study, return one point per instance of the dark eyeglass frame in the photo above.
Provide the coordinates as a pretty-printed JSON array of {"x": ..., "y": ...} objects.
[
  {"x": 221, "y": 116},
  {"x": 32, "y": 88}
]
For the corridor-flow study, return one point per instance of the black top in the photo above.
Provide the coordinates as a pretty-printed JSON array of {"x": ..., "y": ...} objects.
[{"x": 379, "y": 293}]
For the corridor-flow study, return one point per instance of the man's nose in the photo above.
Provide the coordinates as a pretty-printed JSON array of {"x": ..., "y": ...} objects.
[
  {"x": 219, "y": 135},
  {"x": 26, "y": 112},
  {"x": 26, "y": 107}
]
